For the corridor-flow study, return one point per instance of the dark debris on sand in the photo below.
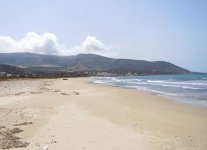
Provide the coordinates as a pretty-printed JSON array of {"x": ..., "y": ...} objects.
[
  {"x": 76, "y": 93},
  {"x": 63, "y": 93},
  {"x": 9, "y": 140},
  {"x": 21, "y": 124},
  {"x": 1, "y": 127}
]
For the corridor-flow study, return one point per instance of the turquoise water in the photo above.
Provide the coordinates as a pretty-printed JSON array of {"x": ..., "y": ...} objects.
[{"x": 189, "y": 88}]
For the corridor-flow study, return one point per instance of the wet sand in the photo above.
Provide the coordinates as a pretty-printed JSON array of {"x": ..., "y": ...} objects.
[{"x": 76, "y": 114}]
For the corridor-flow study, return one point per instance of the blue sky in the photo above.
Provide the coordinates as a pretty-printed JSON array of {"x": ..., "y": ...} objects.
[{"x": 169, "y": 30}]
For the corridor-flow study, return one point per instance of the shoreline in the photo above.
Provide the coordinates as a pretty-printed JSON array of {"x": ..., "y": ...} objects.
[
  {"x": 199, "y": 105},
  {"x": 194, "y": 103},
  {"x": 79, "y": 114}
]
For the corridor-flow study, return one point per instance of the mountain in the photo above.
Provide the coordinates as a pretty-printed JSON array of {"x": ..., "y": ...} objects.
[{"x": 89, "y": 62}]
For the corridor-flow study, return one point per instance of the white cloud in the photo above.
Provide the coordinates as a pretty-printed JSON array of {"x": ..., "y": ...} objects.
[
  {"x": 47, "y": 43},
  {"x": 91, "y": 45},
  {"x": 32, "y": 42}
]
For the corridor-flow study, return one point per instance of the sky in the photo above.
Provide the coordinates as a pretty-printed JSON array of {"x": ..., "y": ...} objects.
[{"x": 168, "y": 30}]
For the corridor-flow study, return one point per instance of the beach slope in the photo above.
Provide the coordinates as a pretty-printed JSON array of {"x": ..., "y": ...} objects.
[{"x": 77, "y": 114}]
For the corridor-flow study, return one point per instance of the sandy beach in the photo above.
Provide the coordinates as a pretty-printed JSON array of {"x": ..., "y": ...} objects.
[{"x": 57, "y": 114}]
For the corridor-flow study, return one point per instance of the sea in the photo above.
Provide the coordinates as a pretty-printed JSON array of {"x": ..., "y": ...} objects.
[{"x": 187, "y": 88}]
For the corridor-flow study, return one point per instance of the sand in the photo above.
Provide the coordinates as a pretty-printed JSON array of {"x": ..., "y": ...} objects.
[{"x": 57, "y": 114}]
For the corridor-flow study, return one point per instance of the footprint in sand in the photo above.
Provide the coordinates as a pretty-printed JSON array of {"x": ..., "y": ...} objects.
[{"x": 64, "y": 93}]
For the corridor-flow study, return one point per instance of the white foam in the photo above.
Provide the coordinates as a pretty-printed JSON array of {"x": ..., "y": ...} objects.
[
  {"x": 174, "y": 89},
  {"x": 196, "y": 82}
]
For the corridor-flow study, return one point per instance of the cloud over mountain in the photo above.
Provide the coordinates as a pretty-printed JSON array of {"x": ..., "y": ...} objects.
[
  {"x": 91, "y": 45},
  {"x": 47, "y": 43}
]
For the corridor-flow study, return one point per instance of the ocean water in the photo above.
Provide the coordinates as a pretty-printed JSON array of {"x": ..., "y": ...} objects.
[{"x": 188, "y": 88}]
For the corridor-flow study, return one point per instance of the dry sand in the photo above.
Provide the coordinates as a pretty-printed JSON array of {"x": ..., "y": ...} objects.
[{"x": 75, "y": 114}]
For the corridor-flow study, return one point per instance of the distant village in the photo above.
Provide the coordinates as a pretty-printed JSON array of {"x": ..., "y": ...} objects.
[
  {"x": 13, "y": 72},
  {"x": 13, "y": 75},
  {"x": 6, "y": 75}
]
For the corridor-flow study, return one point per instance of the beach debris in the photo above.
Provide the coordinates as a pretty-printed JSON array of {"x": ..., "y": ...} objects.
[
  {"x": 65, "y": 78},
  {"x": 76, "y": 93},
  {"x": 19, "y": 93},
  {"x": 15, "y": 130},
  {"x": 53, "y": 141},
  {"x": 24, "y": 123},
  {"x": 1, "y": 127},
  {"x": 38, "y": 145},
  {"x": 13, "y": 144},
  {"x": 9, "y": 140},
  {"x": 63, "y": 93},
  {"x": 57, "y": 90},
  {"x": 35, "y": 92},
  {"x": 45, "y": 147}
]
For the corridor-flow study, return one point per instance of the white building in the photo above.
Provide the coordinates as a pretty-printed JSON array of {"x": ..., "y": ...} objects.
[
  {"x": 8, "y": 75},
  {"x": 2, "y": 73}
]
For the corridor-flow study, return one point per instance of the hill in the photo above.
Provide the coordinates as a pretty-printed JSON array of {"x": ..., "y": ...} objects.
[{"x": 89, "y": 62}]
